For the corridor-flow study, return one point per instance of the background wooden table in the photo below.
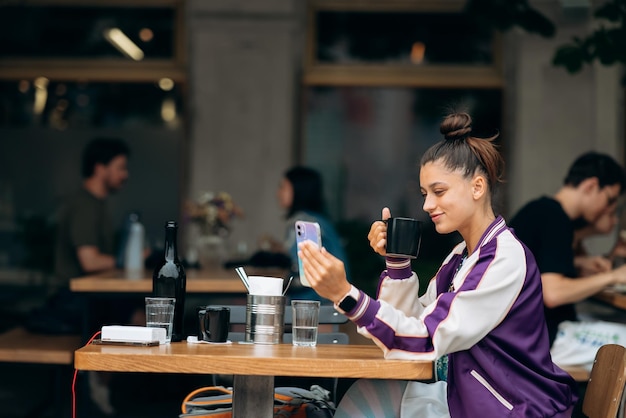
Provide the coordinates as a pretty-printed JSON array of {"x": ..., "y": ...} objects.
[{"x": 118, "y": 281}]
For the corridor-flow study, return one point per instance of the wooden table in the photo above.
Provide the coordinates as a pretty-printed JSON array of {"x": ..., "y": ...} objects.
[
  {"x": 118, "y": 281},
  {"x": 253, "y": 366},
  {"x": 613, "y": 298}
]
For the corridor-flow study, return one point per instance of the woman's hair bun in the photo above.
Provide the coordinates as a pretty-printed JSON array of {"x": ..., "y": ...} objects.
[{"x": 456, "y": 126}]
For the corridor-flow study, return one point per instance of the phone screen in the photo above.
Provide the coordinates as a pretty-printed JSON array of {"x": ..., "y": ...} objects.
[{"x": 307, "y": 231}]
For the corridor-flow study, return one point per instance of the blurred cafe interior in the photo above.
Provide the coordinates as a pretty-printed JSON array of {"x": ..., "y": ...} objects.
[{"x": 224, "y": 96}]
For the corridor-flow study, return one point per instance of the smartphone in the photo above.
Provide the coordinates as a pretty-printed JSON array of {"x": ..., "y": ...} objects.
[{"x": 307, "y": 231}]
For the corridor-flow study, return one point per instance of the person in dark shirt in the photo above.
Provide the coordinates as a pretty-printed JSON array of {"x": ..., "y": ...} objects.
[
  {"x": 547, "y": 227},
  {"x": 85, "y": 244},
  {"x": 590, "y": 264},
  {"x": 85, "y": 234},
  {"x": 84, "y": 238},
  {"x": 587, "y": 264}
]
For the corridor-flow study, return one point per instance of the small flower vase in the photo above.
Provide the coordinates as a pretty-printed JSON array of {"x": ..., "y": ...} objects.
[{"x": 211, "y": 251}]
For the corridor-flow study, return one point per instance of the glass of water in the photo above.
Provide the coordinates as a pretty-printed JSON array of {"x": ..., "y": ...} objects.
[
  {"x": 305, "y": 322},
  {"x": 160, "y": 314}
]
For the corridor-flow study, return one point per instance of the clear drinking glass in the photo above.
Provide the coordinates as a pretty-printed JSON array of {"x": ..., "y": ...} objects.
[
  {"x": 305, "y": 322},
  {"x": 160, "y": 314}
]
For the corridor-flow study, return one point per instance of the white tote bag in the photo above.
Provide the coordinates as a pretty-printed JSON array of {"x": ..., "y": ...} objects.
[{"x": 576, "y": 343}]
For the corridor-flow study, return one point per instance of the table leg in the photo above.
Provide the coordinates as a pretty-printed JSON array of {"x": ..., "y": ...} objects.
[{"x": 253, "y": 396}]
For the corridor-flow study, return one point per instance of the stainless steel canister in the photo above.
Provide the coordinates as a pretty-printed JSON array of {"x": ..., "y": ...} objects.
[{"x": 265, "y": 319}]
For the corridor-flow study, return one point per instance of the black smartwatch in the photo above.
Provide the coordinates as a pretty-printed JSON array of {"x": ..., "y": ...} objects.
[{"x": 347, "y": 304}]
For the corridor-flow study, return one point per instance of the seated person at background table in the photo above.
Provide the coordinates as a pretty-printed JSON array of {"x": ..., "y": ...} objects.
[
  {"x": 85, "y": 242},
  {"x": 618, "y": 252},
  {"x": 84, "y": 235},
  {"x": 604, "y": 225},
  {"x": 546, "y": 225},
  {"x": 483, "y": 309},
  {"x": 301, "y": 195},
  {"x": 586, "y": 264}
]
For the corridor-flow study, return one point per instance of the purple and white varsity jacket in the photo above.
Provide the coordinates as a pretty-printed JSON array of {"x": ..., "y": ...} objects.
[{"x": 486, "y": 313}]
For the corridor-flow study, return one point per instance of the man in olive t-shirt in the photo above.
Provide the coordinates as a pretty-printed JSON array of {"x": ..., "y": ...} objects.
[
  {"x": 84, "y": 230},
  {"x": 83, "y": 221},
  {"x": 84, "y": 244}
]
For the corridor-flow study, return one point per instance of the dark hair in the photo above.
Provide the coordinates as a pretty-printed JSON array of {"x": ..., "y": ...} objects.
[
  {"x": 460, "y": 151},
  {"x": 593, "y": 164},
  {"x": 307, "y": 190},
  {"x": 101, "y": 151}
]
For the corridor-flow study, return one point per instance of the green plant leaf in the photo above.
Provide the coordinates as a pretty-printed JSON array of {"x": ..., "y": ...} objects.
[
  {"x": 605, "y": 44},
  {"x": 534, "y": 22},
  {"x": 571, "y": 57},
  {"x": 503, "y": 15},
  {"x": 613, "y": 11}
]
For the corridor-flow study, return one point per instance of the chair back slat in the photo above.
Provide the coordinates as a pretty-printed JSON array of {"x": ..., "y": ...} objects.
[{"x": 606, "y": 383}]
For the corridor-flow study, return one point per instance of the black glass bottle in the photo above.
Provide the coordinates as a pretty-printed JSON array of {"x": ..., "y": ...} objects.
[{"x": 169, "y": 279}]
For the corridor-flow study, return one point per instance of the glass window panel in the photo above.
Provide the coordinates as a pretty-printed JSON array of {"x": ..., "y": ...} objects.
[
  {"x": 410, "y": 38},
  {"x": 78, "y": 32},
  {"x": 367, "y": 142},
  {"x": 63, "y": 105}
]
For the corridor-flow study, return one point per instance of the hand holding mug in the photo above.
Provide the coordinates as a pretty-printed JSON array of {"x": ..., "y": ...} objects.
[
  {"x": 395, "y": 237},
  {"x": 378, "y": 234}
]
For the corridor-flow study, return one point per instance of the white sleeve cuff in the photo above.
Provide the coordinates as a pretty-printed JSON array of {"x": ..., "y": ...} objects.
[{"x": 354, "y": 292}]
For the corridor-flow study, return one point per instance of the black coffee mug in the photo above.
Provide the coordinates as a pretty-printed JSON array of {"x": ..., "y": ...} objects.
[
  {"x": 404, "y": 236},
  {"x": 213, "y": 323}
]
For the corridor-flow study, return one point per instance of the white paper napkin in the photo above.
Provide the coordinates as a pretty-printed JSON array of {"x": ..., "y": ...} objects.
[
  {"x": 267, "y": 286},
  {"x": 192, "y": 339}
]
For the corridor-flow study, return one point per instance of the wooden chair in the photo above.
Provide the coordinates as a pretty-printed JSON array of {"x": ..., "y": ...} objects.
[{"x": 606, "y": 384}]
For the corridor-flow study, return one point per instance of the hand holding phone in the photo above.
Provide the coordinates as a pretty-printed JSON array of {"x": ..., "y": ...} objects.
[{"x": 307, "y": 231}]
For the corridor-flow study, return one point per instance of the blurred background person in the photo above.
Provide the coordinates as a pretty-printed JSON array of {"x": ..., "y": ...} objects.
[
  {"x": 588, "y": 264},
  {"x": 85, "y": 243},
  {"x": 618, "y": 253},
  {"x": 547, "y": 226},
  {"x": 85, "y": 235},
  {"x": 301, "y": 194}
]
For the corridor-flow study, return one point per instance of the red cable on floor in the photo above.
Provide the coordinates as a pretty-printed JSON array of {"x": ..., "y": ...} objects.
[{"x": 74, "y": 380}]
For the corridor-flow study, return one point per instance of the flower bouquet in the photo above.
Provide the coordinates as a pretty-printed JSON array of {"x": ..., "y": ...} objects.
[
  {"x": 213, "y": 212},
  {"x": 211, "y": 218}
]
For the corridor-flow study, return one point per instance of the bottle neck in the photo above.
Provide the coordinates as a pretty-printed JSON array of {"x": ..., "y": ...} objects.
[{"x": 171, "y": 252}]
